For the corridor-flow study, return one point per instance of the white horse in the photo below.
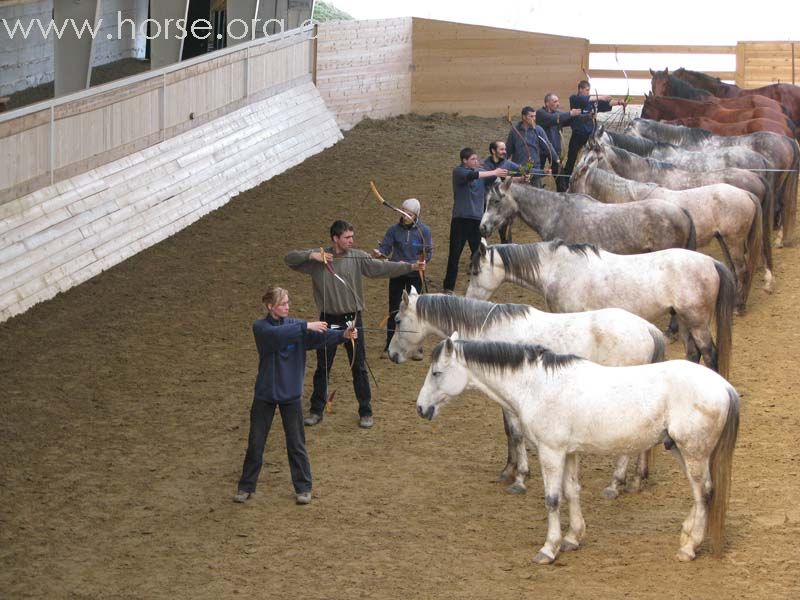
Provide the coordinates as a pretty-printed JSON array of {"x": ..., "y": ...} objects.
[
  {"x": 573, "y": 277},
  {"x": 611, "y": 337},
  {"x": 730, "y": 214},
  {"x": 567, "y": 405}
]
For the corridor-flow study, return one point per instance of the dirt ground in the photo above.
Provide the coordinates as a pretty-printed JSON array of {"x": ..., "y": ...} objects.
[{"x": 124, "y": 414}]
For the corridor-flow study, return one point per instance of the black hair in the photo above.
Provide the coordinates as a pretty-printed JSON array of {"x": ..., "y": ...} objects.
[
  {"x": 339, "y": 227},
  {"x": 466, "y": 153},
  {"x": 526, "y": 110}
]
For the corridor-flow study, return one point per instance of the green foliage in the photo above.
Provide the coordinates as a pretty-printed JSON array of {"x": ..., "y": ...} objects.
[{"x": 323, "y": 11}]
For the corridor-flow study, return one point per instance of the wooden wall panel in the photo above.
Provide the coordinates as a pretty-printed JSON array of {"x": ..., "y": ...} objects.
[
  {"x": 483, "y": 71},
  {"x": 18, "y": 167},
  {"x": 764, "y": 63},
  {"x": 87, "y": 134},
  {"x": 363, "y": 68}
]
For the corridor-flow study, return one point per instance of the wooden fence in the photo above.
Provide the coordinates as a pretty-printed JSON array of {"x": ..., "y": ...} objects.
[
  {"x": 487, "y": 71},
  {"x": 48, "y": 142}
]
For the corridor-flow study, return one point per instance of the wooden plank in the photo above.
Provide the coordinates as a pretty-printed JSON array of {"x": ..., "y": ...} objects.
[
  {"x": 617, "y": 74},
  {"x": 116, "y": 96},
  {"x": 660, "y": 49},
  {"x": 16, "y": 126}
]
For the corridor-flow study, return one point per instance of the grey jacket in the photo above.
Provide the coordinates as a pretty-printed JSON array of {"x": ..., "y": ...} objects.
[{"x": 331, "y": 295}]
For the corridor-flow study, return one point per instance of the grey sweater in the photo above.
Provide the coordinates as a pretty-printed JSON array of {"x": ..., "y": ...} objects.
[{"x": 331, "y": 295}]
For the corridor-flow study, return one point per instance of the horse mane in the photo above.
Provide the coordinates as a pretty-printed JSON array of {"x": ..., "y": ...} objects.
[
  {"x": 700, "y": 75},
  {"x": 465, "y": 315},
  {"x": 680, "y": 133},
  {"x": 578, "y": 248},
  {"x": 684, "y": 89},
  {"x": 503, "y": 356},
  {"x": 521, "y": 261},
  {"x": 629, "y": 157},
  {"x": 637, "y": 145}
]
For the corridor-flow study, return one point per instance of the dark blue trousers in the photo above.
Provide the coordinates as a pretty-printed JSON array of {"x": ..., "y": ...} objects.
[{"x": 261, "y": 415}]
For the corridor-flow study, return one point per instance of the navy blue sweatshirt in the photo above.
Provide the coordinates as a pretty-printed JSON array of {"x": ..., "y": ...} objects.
[
  {"x": 583, "y": 123},
  {"x": 282, "y": 345}
]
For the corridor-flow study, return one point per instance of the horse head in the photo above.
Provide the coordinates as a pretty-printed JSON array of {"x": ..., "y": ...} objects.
[
  {"x": 447, "y": 377},
  {"x": 588, "y": 161},
  {"x": 501, "y": 206},
  {"x": 485, "y": 275},
  {"x": 649, "y": 110},
  {"x": 409, "y": 333},
  {"x": 659, "y": 82}
]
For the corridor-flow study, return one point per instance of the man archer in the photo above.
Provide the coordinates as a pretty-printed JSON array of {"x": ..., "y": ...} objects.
[{"x": 336, "y": 274}]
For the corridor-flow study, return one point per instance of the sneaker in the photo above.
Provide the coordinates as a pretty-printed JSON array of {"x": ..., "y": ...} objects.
[
  {"x": 303, "y": 498},
  {"x": 242, "y": 496},
  {"x": 312, "y": 419},
  {"x": 366, "y": 422}
]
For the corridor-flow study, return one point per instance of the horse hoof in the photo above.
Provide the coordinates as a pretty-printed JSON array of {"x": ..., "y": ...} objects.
[
  {"x": 767, "y": 288},
  {"x": 610, "y": 493},
  {"x": 542, "y": 559},
  {"x": 634, "y": 487},
  {"x": 504, "y": 477},
  {"x": 568, "y": 546},
  {"x": 517, "y": 488},
  {"x": 740, "y": 311},
  {"x": 684, "y": 556}
]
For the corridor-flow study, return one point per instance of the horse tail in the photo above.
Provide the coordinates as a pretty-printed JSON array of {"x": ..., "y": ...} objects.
[
  {"x": 726, "y": 296},
  {"x": 721, "y": 468},
  {"x": 691, "y": 239},
  {"x": 767, "y": 222},
  {"x": 755, "y": 241},
  {"x": 659, "y": 344},
  {"x": 790, "y": 195}
]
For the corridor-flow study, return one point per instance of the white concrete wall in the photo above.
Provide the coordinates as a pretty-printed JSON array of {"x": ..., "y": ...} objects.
[
  {"x": 105, "y": 50},
  {"x": 64, "y": 234},
  {"x": 364, "y": 68},
  {"x": 29, "y": 62},
  {"x": 25, "y": 62}
]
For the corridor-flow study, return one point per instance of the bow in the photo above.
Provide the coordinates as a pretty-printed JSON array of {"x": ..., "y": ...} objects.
[
  {"x": 329, "y": 269},
  {"x": 382, "y": 201}
]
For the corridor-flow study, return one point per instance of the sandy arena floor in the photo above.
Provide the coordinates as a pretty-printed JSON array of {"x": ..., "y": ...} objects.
[{"x": 124, "y": 414}]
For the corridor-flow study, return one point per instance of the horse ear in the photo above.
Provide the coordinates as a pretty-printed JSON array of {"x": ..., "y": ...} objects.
[
  {"x": 666, "y": 71},
  {"x": 405, "y": 297},
  {"x": 652, "y": 73},
  {"x": 414, "y": 292},
  {"x": 455, "y": 337},
  {"x": 506, "y": 184},
  {"x": 484, "y": 247}
]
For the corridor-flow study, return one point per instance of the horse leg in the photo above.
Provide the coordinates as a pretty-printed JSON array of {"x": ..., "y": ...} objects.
[
  {"x": 672, "y": 328},
  {"x": 697, "y": 471},
  {"x": 617, "y": 479},
  {"x": 742, "y": 277},
  {"x": 572, "y": 492},
  {"x": 702, "y": 338},
  {"x": 686, "y": 527},
  {"x": 642, "y": 471},
  {"x": 692, "y": 353},
  {"x": 511, "y": 463},
  {"x": 517, "y": 440},
  {"x": 768, "y": 278},
  {"x": 552, "y": 463}
]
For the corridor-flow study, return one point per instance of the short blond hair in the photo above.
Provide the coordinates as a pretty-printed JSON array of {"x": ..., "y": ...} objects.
[{"x": 273, "y": 296}]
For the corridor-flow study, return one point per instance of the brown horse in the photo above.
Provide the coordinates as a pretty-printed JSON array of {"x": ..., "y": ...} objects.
[
  {"x": 669, "y": 107},
  {"x": 663, "y": 83},
  {"x": 729, "y": 129},
  {"x": 788, "y": 95}
]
